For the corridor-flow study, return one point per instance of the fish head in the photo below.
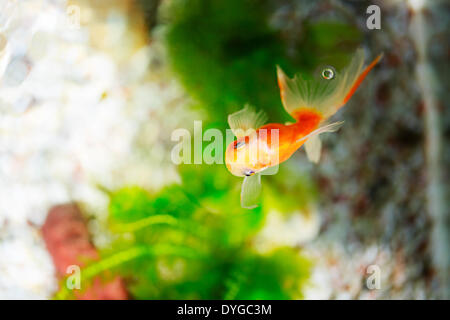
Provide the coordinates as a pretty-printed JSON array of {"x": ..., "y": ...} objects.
[{"x": 242, "y": 156}]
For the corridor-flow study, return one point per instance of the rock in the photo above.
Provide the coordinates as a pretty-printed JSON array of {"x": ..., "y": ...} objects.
[{"x": 67, "y": 239}]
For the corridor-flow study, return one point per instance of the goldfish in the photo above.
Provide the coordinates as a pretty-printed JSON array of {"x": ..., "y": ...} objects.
[{"x": 311, "y": 102}]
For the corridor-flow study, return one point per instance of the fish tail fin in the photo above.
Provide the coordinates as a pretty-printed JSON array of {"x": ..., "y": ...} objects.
[
  {"x": 361, "y": 78},
  {"x": 322, "y": 96}
]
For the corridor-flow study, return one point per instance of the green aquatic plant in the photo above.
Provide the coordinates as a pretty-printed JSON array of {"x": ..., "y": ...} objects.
[
  {"x": 193, "y": 241},
  {"x": 224, "y": 52}
]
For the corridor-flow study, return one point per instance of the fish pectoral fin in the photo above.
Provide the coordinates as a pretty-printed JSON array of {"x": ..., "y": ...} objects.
[
  {"x": 332, "y": 127},
  {"x": 246, "y": 120},
  {"x": 270, "y": 171},
  {"x": 313, "y": 147},
  {"x": 250, "y": 191}
]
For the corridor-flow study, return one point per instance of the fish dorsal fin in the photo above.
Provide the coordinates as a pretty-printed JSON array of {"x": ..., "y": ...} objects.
[
  {"x": 250, "y": 191},
  {"x": 246, "y": 120},
  {"x": 313, "y": 147},
  {"x": 320, "y": 94}
]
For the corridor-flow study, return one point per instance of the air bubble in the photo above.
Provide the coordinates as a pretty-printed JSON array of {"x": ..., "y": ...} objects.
[{"x": 328, "y": 73}]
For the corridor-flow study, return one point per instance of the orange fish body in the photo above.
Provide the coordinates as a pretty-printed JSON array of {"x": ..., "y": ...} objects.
[
  {"x": 289, "y": 136},
  {"x": 271, "y": 153}
]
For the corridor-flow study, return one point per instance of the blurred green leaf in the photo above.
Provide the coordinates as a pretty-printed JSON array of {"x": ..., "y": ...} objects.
[{"x": 224, "y": 52}]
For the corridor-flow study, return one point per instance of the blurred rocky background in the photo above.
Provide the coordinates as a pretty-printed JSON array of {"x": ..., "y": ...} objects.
[{"x": 90, "y": 92}]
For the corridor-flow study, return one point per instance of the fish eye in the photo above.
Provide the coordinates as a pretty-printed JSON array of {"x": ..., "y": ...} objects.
[
  {"x": 240, "y": 144},
  {"x": 249, "y": 172}
]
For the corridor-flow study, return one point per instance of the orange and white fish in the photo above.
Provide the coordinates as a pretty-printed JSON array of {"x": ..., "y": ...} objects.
[{"x": 310, "y": 102}]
